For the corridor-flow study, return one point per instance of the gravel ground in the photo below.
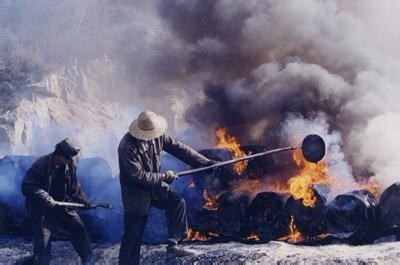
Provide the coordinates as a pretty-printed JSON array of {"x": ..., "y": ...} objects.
[{"x": 13, "y": 249}]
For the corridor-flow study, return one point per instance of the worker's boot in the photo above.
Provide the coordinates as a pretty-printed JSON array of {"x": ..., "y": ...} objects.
[{"x": 174, "y": 251}]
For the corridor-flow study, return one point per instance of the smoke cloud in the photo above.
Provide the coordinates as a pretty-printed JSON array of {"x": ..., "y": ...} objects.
[
  {"x": 268, "y": 71},
  {"x": 83, "y": 69}
]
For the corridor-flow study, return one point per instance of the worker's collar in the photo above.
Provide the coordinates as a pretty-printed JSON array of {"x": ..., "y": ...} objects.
[{"x": 144, "y": 146}]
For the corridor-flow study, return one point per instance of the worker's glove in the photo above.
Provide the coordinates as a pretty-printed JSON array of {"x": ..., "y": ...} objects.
[
  {"x": 170, "y": 176},
  {"x": 50, "y": 202}
]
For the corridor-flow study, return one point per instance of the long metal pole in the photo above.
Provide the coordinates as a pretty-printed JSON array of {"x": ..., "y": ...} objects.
[
  {"x": 70, "y": 204},
  {"x": 232, "y": 161},
  {"x": 80, "y": 205}
]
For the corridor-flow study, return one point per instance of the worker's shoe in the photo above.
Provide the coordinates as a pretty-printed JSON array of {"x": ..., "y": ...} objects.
[{"x": 175, "y": 252}]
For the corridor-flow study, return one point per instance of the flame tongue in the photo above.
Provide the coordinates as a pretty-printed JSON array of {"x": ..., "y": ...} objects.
[
  {"x": 230, "y": 142},
  {"x": 253, "y": 236},
  {"x": 195, "y": 236},
  {"x": 300, "y": 186},
  {"x": 372, "y": 187},
  {"x": 294, "y": 235}
]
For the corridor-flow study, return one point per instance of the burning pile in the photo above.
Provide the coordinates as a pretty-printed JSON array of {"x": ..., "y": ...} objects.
[
  {"x": 300, "y": 186},
  {"x": 230, "y": 142},
  {"x": 241, "y": 205}
]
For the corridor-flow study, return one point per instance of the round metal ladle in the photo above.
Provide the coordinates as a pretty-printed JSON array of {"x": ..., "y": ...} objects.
[{"x": 313, "y": 149}]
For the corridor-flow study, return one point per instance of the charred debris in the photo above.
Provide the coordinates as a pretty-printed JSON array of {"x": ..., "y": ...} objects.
[{"x": 252, "y": 206}]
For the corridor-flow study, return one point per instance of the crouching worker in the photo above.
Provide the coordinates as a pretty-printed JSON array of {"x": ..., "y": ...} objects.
[
  {"x": 53, "y": 178},
  {"x": 143, "y": 186}
]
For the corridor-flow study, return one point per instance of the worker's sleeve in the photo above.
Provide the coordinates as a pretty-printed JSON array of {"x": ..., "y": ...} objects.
[
  {"x": 31, "y": 187},
  {"x": 132, "y": 169},
  {"x": 184, "y": 152}
]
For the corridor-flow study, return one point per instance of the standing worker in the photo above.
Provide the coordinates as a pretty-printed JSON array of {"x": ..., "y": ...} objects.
[
  {"x": 143, "y": 186},
  {"x": 53, "y": 178}
]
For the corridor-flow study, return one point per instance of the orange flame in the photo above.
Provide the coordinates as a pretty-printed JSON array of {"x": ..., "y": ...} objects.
[
  {"x": 211, "y": 204},
  {"x": 294, "y": 234},
  {"x": 372, "y": 187},
  {"x": 310, "y": 173},
  {"x": 195, "y": 236},
  {"x": 230, "y": 142},
  {"x": 253, "y": 236},
  {"x": 247, "y": 185}
]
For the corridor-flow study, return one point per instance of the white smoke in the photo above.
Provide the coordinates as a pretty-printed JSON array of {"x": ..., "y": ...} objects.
[
  {"x": 333, "y": 61},
  {"x": 295, "y": 129},
  {"x": 250, "y": 66},
  {"x": 83, "y": 69}
]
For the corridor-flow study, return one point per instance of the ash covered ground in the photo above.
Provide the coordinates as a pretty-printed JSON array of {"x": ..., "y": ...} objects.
[{"x": 14, "y": 249}]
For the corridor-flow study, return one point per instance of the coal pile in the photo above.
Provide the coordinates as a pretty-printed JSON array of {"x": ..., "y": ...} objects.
[
  {"x": 268, "y": 216},
  {"x": 354, "y": 215},
  {"x": 311, "y": 221},
  {"x": 226, "y": 214},
  {"x": 223, "y": 178},
  {"x": 389, "y": 203}
]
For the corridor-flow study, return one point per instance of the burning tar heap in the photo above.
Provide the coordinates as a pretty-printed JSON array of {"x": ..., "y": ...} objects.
[{"x": 258, "y": 200}]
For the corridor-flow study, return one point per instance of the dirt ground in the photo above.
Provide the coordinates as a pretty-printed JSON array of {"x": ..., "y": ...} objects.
[{"x": 14, "y": 249}]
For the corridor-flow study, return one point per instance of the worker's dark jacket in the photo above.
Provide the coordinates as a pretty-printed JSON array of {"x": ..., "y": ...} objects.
[
  {"x": 41, "y": 181},
  {"x": 140, "y": 165}
]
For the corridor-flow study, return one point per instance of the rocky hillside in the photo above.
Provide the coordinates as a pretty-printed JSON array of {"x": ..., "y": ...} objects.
[{"x": 37, "y": 110}]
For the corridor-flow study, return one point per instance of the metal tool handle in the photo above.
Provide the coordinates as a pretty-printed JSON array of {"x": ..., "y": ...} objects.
[
  {"x": 70, "y": 204},
  {"x": 94, "y": 206},
  {"x": 232, "y": 161},
  {"x": 80, "y": 205}
]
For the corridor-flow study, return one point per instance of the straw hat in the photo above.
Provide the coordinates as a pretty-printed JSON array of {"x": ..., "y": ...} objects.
[{"x": 148, "y": 126}]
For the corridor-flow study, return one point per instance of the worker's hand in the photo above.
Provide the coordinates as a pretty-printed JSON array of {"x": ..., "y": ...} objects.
[
  {"x": 170, "y": 176},
  {"x": 50, "y": 202}
]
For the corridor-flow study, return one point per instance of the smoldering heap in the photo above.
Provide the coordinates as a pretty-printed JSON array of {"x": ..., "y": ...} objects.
[
  {"x": 260, "y": 200},
  {"x": 272, "y": 72},
  {"x": 269, "y": 72}
]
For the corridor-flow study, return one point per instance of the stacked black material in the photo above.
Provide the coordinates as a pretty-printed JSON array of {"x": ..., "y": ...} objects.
[
  {"x": 390, "y": 206},
  {"x": 354, "y": 215},
  {"x": 311, "y": 221},
  {"x": 268, "y": 217}
]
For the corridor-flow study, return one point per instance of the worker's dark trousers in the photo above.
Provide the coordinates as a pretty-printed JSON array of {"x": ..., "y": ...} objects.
[
  {"x": 45, "y": 227},
  {"x": 174, "y": 205}
]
